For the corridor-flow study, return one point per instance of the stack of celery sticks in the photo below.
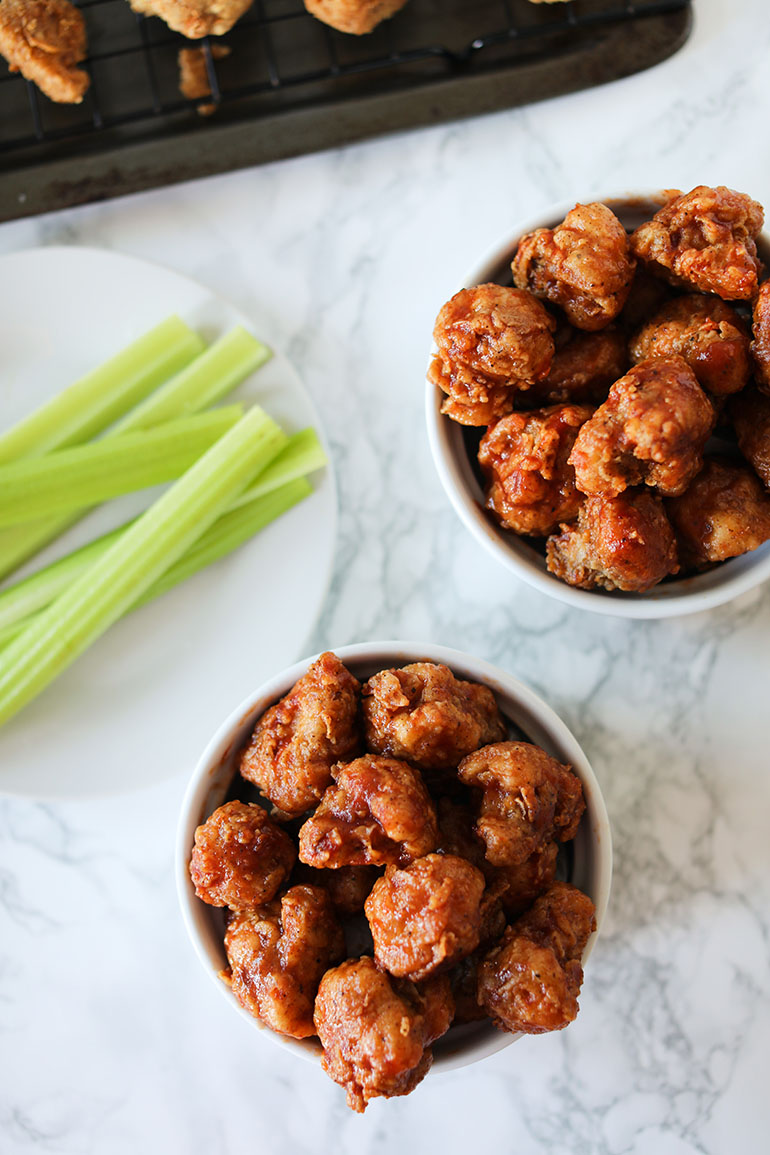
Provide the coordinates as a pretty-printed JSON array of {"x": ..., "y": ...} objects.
[{"x": 233, "y": 472}]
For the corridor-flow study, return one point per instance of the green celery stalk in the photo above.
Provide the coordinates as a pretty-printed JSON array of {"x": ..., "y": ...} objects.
[
  {"x": 103, "y": 395},
  {"x": 227, "y": 533},
  {"x": 39, "y": 589},
  {"x": 303, "y": 453},
  {"x": 225, "y": 364},
  {"x": 117, "y": 580},
  {"x": 88, "y": 474},
  {"x": 211, "y": 376}
]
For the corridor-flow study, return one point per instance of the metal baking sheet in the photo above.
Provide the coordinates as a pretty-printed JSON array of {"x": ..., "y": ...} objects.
[{"x": 290, "y": 85}]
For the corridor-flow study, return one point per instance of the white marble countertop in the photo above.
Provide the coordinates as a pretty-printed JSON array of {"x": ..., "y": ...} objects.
[{"x": 112, "y": 1039}]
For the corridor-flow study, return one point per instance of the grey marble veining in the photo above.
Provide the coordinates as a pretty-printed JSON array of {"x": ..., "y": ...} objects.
[{"x": 112, "y": 1040}]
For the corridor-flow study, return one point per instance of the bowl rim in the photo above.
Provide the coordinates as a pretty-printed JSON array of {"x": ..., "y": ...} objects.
[
  {"x": 683, "y": 596},
  {"x": 468, "y": 1046}
]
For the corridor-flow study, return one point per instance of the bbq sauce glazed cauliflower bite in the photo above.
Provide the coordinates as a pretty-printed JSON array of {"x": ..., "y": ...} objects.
[
  {"x": 585, "y": 265},
  {"x": 492, "y": 341},
  {"x": 652, "y": 429},
  {"x": 376, "y": 1031},
  {"x": 278, "y": 954},
  {"x": 424, "y": 714},
  {"x": 531, "y": 980},
  {"x": 296, "y": 742},
  {"x": 525, "y": 458},
  {"x": 428, "y": 863},
  {"x": 705, "y": 240}
]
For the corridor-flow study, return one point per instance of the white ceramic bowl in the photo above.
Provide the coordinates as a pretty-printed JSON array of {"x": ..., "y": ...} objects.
[
  {"x": 591, "y": 867},
  {"x": 448, "y": 443}
]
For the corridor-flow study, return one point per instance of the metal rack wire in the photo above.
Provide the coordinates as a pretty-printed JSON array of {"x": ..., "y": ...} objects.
[{"x": 282, "y": 60}]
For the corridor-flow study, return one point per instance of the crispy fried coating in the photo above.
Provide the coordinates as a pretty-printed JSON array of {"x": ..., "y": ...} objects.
[
  {"x": 619, "y": 543},
  {"x": 750, "y": 412},
  {"x": 705, "y": 239},
  {"x": 278, "y": 954},
  {"x": 424, "y": 714},
  {"x": 426, "y": 916},
  {"x": 45, "y": 40},
  {"x": 502, "y": 332},
  {"x": 195, "y": 18},
  {"x": 530, "y": 483},
  {"x": 529, "y": 799},
  {"x": 651, "y": 429},
  {"x": 376, "y": 1031},
  {"x": 705, "y": 332},
  {"x": 194, "y": 82},
  {"x": 296, "y": 742},
  {"x": 471, "y": 398},
  {"x": 584, "y": 265},
  {"x": 492, "y": 341},
  {"x": 240, "y": 857},
  {"x": 354, "y": 16},
  {"x": 583, "y": 368},
  {"x": 378, "y": 813},
  {"x": 531, "y": 980},
  {"x": 724, "y": 513},
  {"x": 760, "y": 346}
]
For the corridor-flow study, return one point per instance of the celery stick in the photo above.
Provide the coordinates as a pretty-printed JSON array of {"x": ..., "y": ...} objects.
[
  {"x": 210, "y": 376},
  {"x": 228, "y": 532},
  {"x": 39, "y": 589},
  {"x": 88, "y": 474},
  {"x": 14, "y": 628},
  {"x": 217, "y": 371},
  {"x": 302, "y": 454},
  {"x": 104, "y": 394},
  {"x": 117, "y": 580}
]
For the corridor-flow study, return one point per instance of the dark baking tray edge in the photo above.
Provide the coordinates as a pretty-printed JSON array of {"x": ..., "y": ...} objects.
[{"x": 168, "y": 159}]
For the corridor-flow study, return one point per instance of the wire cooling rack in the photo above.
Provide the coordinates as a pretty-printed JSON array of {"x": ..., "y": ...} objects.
[{"x": 290, "y": 85}]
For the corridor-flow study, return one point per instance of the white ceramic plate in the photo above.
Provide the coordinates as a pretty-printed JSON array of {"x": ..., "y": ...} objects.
[{"x": 143, "y": 701}]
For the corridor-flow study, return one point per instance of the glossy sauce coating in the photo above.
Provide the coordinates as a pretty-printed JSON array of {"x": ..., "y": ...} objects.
[
  {"x": 529, "y": 799},
  {"x": 531, "y": 980},
  {"x": 530, "y": 483},
  {"x": 297, "y": 741},
  {"x": 724, "y": 513},
  {"x": 240, "y": 857},
  {"x": 423, "y": 713},
  {"x": 619, "y": 543},
  {"x": 584, "y": 265},
  {"x": 376, "y": 1031},
  {"x": 651, "y": 430},
  {"x": 426, "y": 916},
  {"x": 278, "y": 954},
  {"x": 492, "y": 340},
  {"x": 377, "y": 812},
  {"x": 707, "y": 333},
  {"x": 705, "y": 239}
]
